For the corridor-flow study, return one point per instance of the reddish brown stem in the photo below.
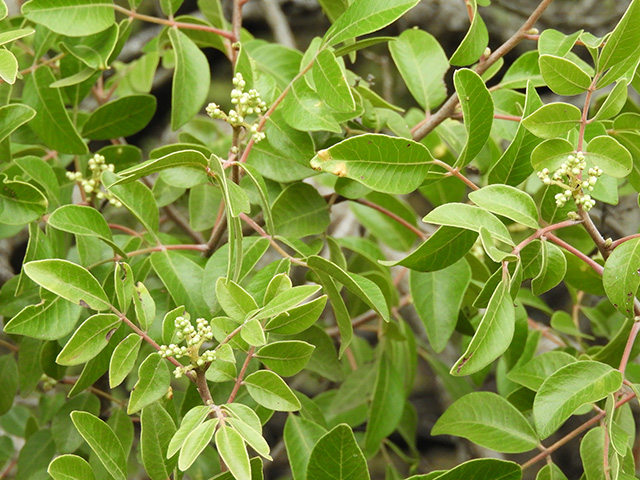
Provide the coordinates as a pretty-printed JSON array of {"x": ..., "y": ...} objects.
[
  {"x": 394, "y": 217},
  {"x": 585, "y": 258},
  {"x": 243, "y": 370},
  {"x": 172, "y": 23},
  {"x": 456, "y": 173}
]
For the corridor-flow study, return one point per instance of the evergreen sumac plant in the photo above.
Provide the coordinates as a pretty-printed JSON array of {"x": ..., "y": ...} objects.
[{"x": 171, "y": 300}]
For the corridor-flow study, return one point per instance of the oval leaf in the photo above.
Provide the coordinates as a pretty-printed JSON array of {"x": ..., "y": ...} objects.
[
  {"x": 153, "y": 382},
  {"x": 563, "y": 76},
  {"x": 70, "y": 467},
  {"x": 489, "y": 420},
  {"x": 493, "y": 336},
  {"x": 553, "y": 119},
  {"x": 68, "y": 280},
  {"x": 569, "y": 388},
  {"x": 337, "y": 456},
  {"x": 621, "y": 276},
  {"x": 509, "y": 202},
  {"x": 270, "y": 391},
  {"x": 120, "y": 118},
  {"x": 382, "y": 163},
  {"x": 89, "y": 339},
  {"x": 103, "y": 442}
]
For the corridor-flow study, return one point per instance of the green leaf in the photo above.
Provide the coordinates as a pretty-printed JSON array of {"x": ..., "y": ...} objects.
[
  {"x": 514, "y": 166},
  {"x": 477, "y": 110},
  {"x": 362, "y": 287},
  {"x": 190, "y": 81},
  {"x": 493, "y": 335},
  {"x": 252, "y": 436},
  {"x": 623, "y": 42},
  {"x": 89, "y": 339},
  {"x": 270, "y": 391},
  {"x": 103, "y": 442},
  {"x": 361, "y": 44},
  {"x": 607, "y": 153},
  {"x": 482, "y": 469},
  {"x": 123, "y": 359},
  {"x": 437, "y": 298},
  {"x": 145, "y": 306},
  {"x": 553, "y": 119},
  {"x": 509, "y": 202},
  {"x": 386, "y": 406},
  {"x": 443, "y": 248},
  {"x": 157, "y": 430},
  {"x": 4, "y": 11},
  {"x": 523, "y": 70},
  {"x": 331, "y": 83},
  {"x": 303, "y": 109},
  {"x": 533, "y": 373},
  {"x": 12, "y": 35},
  {"x": 232, "y": 450},
  {"x": 42, "y": 174},
  {"x": 70, "y": 467},
  {"x": 422, "y": 64},
  {"x": 550, "y": 472},
  {"x": 120, "y": 118},
  {"x": 68, "y": 280},
  {"x": 297, "y": 319},
  {"x": 286, "y": 300},
  {"x": 137, "y": 198},
  {"x": 570, "y": 387},
  {"x": 234, "y": 299},
  {"x": 190, "y": 422},
  {"x": 489, "y": 420},
  {"x": 123, "y": 284},
  {"x": 72, "y": 18},
  {"x": 563, "y": 76},
  {"x": 382, "y": 163},
  {"x": 553, "y": 42},
  {"x": 469, "y": 217},
  {"x": 83, "y": 220},
  {"x": 253, "y": 334},
  {"x": 340, "y": 312},
  {"x": 286, "y": 358},
  {"x": 614, "y": 101},
  {"x": 52, "y": 318},
  {"x": 336, "y": 456},
  {"x": 552, "y": 270},
  {"x": 365, "y": 16},
  {"x": 183, "y": 279},
  {"x": 153, "y": 382},
  {"x": 20, "y": 202},
  {"x": 621, "y": 278},
  {"x": 8, "y": 382},
  {"x": 195, "y": 442},
  {"x": 551, "y": 154},
  {"x": 300, "y": 436},
  {"x": 300, "y": 211},
  {"x": 182, "y": 158},
  {"x": 13, "y": 116},
  {"x": 475, "y": 41},
  {"x": 51, "y": 123}
]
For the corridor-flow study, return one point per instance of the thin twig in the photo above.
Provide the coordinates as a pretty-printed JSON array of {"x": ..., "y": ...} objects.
[
  {"x": 174, "y": 215},
  {"x": 394, "y": 217},
  {"x": 171, "y": 23},
  {"x": 249, "y": 221},
  {"x": 431, "y": 121},
  {"x": 456, "y": 173},
  {"x": 585, "y": 258},
  {"x": 243, "y": 370}
]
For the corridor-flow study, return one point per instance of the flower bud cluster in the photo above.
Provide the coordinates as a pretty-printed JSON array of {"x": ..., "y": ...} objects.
[
  {"x": 570, "y": 178},
  {"x": 246, "y": 103},
  {"x": 194, "y": 338},
  {"x": 91, "y": 186}
]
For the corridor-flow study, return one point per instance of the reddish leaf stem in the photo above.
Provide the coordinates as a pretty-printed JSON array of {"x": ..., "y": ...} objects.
[
  {"x": 456, "y": 173},
  {"x": 585, "y": 258},
  {"x": 243, "y": 370},
  {"x": 395, "y": 217},
  {"x": 172, "y": 23}
]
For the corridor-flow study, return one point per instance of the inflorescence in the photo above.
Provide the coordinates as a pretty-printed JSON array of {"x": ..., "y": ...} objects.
[
  {"x": 194, "y": 338},
  {"x": 91, "y": 186},
  {"x": 246, "y": 103},
  {"x": 569, "y": 177}
]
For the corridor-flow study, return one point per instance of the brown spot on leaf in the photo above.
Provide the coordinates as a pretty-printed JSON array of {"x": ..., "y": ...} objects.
[
  {"x": 84, "y": 304},
  {"x": 110, "y": 334}
]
